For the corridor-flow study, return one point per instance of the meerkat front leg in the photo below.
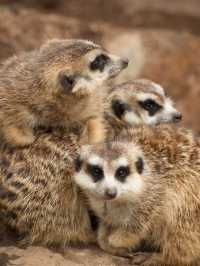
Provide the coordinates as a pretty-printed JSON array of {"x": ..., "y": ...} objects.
[
  {"x": 19, "y": 136},
  {"x": 121, "y": 238},
  {"x": 117, "y": 242}
]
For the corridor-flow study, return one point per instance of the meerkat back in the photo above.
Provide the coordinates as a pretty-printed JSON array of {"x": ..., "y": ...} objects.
[{"x": 38, "y": 197}]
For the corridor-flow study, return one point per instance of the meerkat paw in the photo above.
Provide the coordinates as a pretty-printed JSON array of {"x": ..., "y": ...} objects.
[
  {"x": 119, "y": 239},
  {"x": 106, "y": 241},
  {"x": 123, "y": 242},
  {"x": 122, "y": 252},
  {"x": 19, "y": 136},
  {"x": 96, "y": 130},
  {"x": 146, "y": 259}
]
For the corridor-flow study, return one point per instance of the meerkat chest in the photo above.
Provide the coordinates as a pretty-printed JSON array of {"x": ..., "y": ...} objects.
[
  {"x": 117, "y": 215},
  {"x": 112, "y": 213}
]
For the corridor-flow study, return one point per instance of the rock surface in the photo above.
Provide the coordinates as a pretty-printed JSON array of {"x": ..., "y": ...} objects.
[{"x": 39, "y": 256}]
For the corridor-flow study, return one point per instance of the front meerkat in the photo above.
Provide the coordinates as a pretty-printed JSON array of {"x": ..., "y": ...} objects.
[
  {"x": 144, "y": 186},
  {"x": 138, "y": 102},
  {"x": 59, "y": 83}
]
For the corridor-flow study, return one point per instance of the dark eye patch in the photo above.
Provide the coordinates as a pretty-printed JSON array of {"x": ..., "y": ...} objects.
[
  {"x": 99, "y": 62},
  {"x": 96, "y": 172},
  {"x": 67, "y": 82},
  {"x": 119, "y": 108},
  {"x": 151, "y": 106},
  {"x": 78, "y": 164},
  {"x": 139, "y": 165},
  {"x": 122, "y": 172}
]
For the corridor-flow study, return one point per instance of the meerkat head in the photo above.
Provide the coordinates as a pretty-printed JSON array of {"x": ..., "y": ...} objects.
[
  {"x": 111, "y": 171},
  {"x": 142, "y": 102},
  {"x": 78, "y": 66}
]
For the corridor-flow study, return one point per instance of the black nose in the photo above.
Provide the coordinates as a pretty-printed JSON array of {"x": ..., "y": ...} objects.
[
  {"x": 177, "y": 117},
  {"x": 111, "y": 193},
  {"x": 125, "y": 62}
]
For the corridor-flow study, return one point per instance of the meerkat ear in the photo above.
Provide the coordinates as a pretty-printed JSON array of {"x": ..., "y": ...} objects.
[
  {"x": 67, "y": 82},
  {"x": 78, "y": 164},
  {"x": 140, "y": 165}
]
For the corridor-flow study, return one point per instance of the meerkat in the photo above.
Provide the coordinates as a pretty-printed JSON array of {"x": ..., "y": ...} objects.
[
  {"x": 137, "y": 102},
  {"x": 144, "y": 186},
  {"x": 59, "y": 83}
]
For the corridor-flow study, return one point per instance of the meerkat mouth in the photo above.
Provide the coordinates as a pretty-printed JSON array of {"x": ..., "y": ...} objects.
[{"x": 113, "y": 73}]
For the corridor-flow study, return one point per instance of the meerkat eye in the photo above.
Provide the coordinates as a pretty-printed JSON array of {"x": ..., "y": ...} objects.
[
  {"x": 67, "y": 82},
  {"x": 139, "y": 165},
  {"x": 122, "y": 172},
  {"x": 119, "y": 108},
  {"x": 151, "y": 106},
  {"x": 95, "y": 171},
  {"x": 99, "y": 62}
]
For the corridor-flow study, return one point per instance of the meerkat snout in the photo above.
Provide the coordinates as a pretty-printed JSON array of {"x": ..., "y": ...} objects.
[
  {"x": 141, "y": 102},
  {"x": 110, "y": 193},
  {"x": 125, "y": 62},
  {"x": 177, "y": 117}
]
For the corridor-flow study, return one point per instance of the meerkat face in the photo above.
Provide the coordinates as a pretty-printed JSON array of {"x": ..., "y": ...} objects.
[
  {"x": 111, "y": 171},
  {"x": 78, "y": 66},
  {"x": 143, "y": 101}
]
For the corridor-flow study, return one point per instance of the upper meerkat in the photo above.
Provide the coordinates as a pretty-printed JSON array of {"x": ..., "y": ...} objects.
[
  {"x": 59, "y": 83},
  {"x": 144, "y": 186},
  {"x": 139, "y": 102}
]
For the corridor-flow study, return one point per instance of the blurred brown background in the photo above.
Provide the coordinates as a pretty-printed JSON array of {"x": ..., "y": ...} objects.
[{"x": 161, "y": 38}]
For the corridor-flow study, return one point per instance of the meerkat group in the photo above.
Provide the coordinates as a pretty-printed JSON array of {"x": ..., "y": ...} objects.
[
  {"x": 46, "y": 205},
  {"x": 139, "y": 178}
]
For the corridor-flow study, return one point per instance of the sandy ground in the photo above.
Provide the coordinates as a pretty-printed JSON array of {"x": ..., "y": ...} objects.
[
  {"x": 162, "y": 42},
  {"x": 39, "y": 256},
  {"x": 12, "y": 254}
]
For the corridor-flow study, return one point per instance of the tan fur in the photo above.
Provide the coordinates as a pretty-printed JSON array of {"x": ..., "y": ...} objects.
[
  {"x": 32, "y": 94},
  {"x": 38, "y": 197},
  {"x": 96, "y": 131},
  {"x": 16, "y": 135},
  {"x": 165, "y": 214}
]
